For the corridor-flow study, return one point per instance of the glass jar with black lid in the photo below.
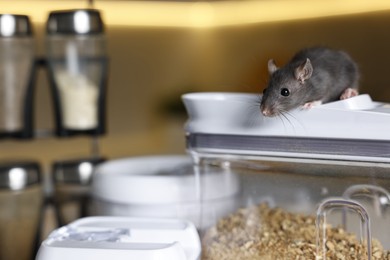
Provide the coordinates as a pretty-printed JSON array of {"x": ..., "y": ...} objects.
[
  {"x": 77, "y": 64},
  {"x": 21, "y": 203},
  {"x": 17, "y": 66}
]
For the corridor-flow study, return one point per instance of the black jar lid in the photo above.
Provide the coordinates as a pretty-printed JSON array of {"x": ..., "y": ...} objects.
[
  {"x": 78, "y": 21},
  {"x": 18, "y": 175},
  {"x": 12, "y": 25},
  {"x": 77, "y": 171}
]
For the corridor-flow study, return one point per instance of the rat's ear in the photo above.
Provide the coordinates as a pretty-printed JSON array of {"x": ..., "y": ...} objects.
[
  {"x": 303, "y": 71},
  {"x": 271, "y": 67}
]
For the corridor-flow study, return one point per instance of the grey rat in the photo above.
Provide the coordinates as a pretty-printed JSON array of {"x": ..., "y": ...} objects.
[{"x": 313, "y": 76}]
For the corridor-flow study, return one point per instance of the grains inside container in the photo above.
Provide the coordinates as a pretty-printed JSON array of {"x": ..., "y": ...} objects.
[{"x": 262, "y": 232}]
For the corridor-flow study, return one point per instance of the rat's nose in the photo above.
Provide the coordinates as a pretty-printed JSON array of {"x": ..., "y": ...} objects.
[{"x": 266, "y": 111}]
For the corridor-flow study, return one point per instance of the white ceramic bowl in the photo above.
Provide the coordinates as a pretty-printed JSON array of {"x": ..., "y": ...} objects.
[{"x": 163, "y": 186}]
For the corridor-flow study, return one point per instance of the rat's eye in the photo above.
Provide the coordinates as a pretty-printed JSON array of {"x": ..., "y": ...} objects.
[
  {"x": 264, "y": 90},
  {"x": 285, "y": 92}
]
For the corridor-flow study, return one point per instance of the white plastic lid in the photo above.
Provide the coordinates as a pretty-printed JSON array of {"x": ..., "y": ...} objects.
[
  {"x": 359, "y": 102},
  {"x": 239, "y": 114},
  {"x": 106, "y": 238},
  {"x": 160, "y": 180}
]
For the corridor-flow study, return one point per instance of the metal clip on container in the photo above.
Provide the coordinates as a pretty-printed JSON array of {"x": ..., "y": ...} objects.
[
  {"x": 21, "y": 199},
  {"x": 17, "y": 69},
  {"x": 77, "y": 64}
]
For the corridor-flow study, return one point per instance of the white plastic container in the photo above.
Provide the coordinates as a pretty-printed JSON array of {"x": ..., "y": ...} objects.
[
  {"x": 163, "y": 186},
  {"x": 104, "y": 238}
]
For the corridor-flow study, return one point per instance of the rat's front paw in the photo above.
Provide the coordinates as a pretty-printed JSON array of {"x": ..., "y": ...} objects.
[
  {"x": 348, "y": 93},
  {"x": 309, "y": 105}
]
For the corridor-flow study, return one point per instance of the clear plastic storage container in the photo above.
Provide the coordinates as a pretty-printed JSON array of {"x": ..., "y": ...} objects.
[{"x": 313, "y": 184}]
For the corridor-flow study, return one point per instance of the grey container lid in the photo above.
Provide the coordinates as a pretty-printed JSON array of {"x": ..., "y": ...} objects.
[
  {"x": 18, "y": 175},
  {"x": 78, "y": 21},
  {"x": 12, "y": 25}
]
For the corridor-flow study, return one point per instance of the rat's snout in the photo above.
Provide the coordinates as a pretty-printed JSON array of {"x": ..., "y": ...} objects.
[{"x": 266, "y": 111}]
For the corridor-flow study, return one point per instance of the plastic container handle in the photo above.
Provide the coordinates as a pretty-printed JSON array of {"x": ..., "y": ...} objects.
[{"x": 341, "y": 203}]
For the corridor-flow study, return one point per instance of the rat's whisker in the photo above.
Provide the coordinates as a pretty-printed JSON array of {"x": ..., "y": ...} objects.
[
  {"x": 259, "y": 97},
  {"x": 251, "y": 107},
  {"x": 296, "y": 119},
  {"x": 288, "y": 120},
  {"x": 279, "y": 115},
  {"x": 253, "y": 115}
]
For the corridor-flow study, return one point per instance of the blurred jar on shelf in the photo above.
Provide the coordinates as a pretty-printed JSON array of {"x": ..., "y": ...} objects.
[
  {"x": 17, "y": 67},
  {"x": 77, "y": 64},
  {"x": 72, "y": 183},
  {"x": 21, "y": 201}
]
